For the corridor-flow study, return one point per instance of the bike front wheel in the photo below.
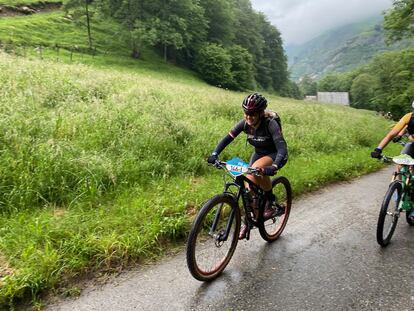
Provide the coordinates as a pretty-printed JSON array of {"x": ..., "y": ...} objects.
[
  {"x": 272, "y": 228},
  {"x": 389, "y": 213},
  {"x": 213, "y": 237}
]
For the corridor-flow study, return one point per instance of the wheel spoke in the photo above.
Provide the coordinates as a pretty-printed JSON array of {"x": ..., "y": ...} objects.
[
  {"x": 389, "y": 214},
  {"x": 272, "y": 228},
  {"x": 213, "y": 238}
]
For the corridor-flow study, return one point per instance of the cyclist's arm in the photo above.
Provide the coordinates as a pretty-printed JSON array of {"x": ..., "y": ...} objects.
[
  {"x": 238, "y": 128},
  {"x": 395, "y": 130},
  {"x": 280, "y": 143},
  {"x": 402, "y": 132}
]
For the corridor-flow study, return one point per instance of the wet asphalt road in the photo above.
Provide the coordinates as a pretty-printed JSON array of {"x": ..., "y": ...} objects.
[{"x": 326, "y": 259}]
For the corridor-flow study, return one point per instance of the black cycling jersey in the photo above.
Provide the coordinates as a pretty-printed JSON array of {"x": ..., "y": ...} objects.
[{"x": 266, "y": 139}]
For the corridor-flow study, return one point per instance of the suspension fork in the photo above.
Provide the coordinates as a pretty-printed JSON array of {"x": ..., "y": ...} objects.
[
  {"x": 220, "y": 236},
  {"x": 218, "y": 214},
  {"x": 406, "y": 181}
]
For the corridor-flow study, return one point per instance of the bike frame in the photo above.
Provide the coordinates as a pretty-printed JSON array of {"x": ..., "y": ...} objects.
[
  {"x": 407, "y": 179},
  {"x": 242, "y": 192}
]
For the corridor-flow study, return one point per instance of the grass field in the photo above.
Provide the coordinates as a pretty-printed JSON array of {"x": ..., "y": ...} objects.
[
  {"x": 103, "y": 168},
  {"x": 26, "y": 2},
  {"x": 26, "y": 36}
]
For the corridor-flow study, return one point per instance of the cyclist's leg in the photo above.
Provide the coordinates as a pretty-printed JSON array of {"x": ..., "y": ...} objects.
[
  {"x": 408, "y": 149},
  {"x": 272, "y": 208},
  {"x": 262, "y": 181},
  {"x": 256, "y": 160}
]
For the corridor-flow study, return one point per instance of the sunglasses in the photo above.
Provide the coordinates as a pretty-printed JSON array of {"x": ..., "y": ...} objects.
[{"x": 251, "y": 113}]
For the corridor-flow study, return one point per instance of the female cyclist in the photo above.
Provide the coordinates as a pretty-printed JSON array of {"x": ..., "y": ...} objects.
[{"x": 270, "y": 154}]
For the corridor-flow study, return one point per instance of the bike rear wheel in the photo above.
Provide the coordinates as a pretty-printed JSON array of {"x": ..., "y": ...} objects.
[
  {"x": 389, "y": 213},
  {"x": 208, "y": 249},
  {"x": 272, "y": 228}
]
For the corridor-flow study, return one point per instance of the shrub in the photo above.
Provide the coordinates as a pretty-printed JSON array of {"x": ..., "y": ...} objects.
[{"x": 213, "y": 62}]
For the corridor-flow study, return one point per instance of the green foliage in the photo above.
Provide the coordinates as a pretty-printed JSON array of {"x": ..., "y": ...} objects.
[
  {"x": 183, "y": 28},
  {"x": 241, "y": 68},
  {"x": 384, "y": 84},
  {"x": 82, "y": 8},
  {"x": 363, "y": 90},
  {"x": 330, "y": 83},
  {"x": 274, "y": 53},
  {"x": 336, "y": 82},
  {"x": 25, "y": 2},
  {"x": 176, "y": 29},
  {"x": 23, "y": 35},
  {"x": 177, "y": 25},
  {"x": 226, "y": 67},
  {"x": 308, "y": 86},
  {"x": 61, "y": 31},
  {"x": 291, "y": 89},
  {"x": 221, "y": 20},
  {"x": 213, "y": 62},
  {"x": 341, "y": 50},
  {"x": 399, "y": 21}
]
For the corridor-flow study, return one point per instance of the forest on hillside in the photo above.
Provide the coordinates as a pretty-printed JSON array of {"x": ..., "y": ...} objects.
[
  {"x": 341, "y": 49},
  {"x": 386, "y": 83},
  {"x": 227, "y": 42}
]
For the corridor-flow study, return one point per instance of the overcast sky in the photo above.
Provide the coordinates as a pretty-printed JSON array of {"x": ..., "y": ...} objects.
[{"x": 301, "y": 20}]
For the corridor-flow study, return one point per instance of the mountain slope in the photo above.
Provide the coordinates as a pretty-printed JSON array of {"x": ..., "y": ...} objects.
[{"x": 339, "y": 50}]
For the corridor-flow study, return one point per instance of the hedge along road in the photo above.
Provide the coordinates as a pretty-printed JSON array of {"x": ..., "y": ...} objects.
[{"x": 326, "y": 259}]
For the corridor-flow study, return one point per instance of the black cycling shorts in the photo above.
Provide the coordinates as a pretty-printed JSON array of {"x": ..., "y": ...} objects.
[
  {"x": 256, "y": 157},
  {"x": 408, "y": 149}
]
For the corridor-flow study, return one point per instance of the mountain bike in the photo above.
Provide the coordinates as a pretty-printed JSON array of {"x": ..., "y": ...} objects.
[
  {"x": 398, "y": 198},
  {"x": 215, "y": 230}
]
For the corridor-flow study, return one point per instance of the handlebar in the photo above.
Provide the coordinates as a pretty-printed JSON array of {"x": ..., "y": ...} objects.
[
  {"x": 251, "y": 170},
  {"x": 385, "y": 159},
  {"x": 402, "y": 140}
]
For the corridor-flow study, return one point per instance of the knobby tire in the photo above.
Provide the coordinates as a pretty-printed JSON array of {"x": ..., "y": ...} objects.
[
  {"x": 271, "y": 229},
  {"x": 388, "y": 215},
  {"x": 203, "y": 246}
]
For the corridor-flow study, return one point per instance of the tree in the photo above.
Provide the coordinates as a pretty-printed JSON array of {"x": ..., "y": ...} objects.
[
  {"x": 395, "y": 73},
  {"x": 221, "y": 19},
  {"x": 213, "y": 62},
  {"x": 132, "y": 15},
  {"x": 176, "y": 24},
  {"x": 273, "y": 52},
  {"x": 248, "y": 32},
  {"x": 244, "y": 39},
  {"x": 241, "y": 68},
  {"x": 363, "y": 90},
  {"x": 308, "y": 86},
  {"x": 75, "y": 5},
  {"x": 399, "y": 21},
  {"x": 328, "y": 83},
  {"x": 167, "y": 24},
  {"x": 291, "y": 89}
]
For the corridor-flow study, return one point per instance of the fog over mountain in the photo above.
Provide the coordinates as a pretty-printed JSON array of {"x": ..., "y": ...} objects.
[{"x": 302, "y": 20}]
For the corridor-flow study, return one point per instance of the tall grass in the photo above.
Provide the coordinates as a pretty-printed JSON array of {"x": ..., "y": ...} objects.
[
  {"x": 26, "y": 2},
  {"x": 100, "y": 168},
  {"x": 24, "y": 35}
]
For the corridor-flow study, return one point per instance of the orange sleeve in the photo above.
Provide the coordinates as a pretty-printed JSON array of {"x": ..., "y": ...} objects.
[{"x": 403, "y": 122}]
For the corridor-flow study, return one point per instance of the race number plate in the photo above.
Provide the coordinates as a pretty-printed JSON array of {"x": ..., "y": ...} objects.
[{"x": 237, "y": 166}]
